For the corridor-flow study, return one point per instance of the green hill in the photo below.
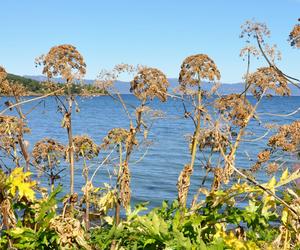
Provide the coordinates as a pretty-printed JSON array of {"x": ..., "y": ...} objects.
[
  {"x": 38, "y": 88},
  {"x": 31, "y": 85}
]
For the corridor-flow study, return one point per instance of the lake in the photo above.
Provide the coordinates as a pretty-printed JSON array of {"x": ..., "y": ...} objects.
[{"x": 154, "y": 177}]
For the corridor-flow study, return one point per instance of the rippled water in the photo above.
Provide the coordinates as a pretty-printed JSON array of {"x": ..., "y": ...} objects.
[{"x": 154, "y": 178}]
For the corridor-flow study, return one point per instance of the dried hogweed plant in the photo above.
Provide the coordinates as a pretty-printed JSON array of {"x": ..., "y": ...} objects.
[
  {"x": 147, "y": 84},
  {"x": 86, "y": 149},
  {"x": 47, "y": 155},
  {"x": 194, "y": 70},
  {"x": 65, "y": 61}
]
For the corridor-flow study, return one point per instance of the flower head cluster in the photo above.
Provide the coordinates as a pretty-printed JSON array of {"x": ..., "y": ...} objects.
[
  {"x": 294, "y": 37},
  {"x": 213, "y": 139},
  {"x": 10, "y": 129},
  {"x": 196, "y": 68},
  {"x": 235, "y": 108},
  {"x": 268, "y": 78},
  {"x": 287, "y": 138},
  {"x": 63, "y": 60},
  {"x": 84, "y": 146},
  {"x": 117, "y": 136},
  {"x": 255, "y": 30},
  {"x": 150, "y": 83},
  {"x": 48, "y": 151}
]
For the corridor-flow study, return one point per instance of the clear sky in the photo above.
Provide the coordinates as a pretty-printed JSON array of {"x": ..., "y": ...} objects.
[{"x": 157, "y": 33}]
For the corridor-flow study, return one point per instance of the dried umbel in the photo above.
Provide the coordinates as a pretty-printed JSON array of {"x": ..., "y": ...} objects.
[
  {"x": 272, "y": 168},
  {"x": 249, "y": 50},
  {"x": 11, "y": 128},
  {"x": 84, "y": 146},
  {"x": 48, "y": 151},
  {"x": 287, "y": 138},
  {"x": 150, "y": 83},
  {"x": 212, "y": 139},
  {"x": 11, "y": 125},
  {"x": 125, "y": 193},
  {"x": 294, "y": 37},
  {"x": 255, "y": 30},
  {"x": 4, "y": 84},
  {"x": 71, "y": 234},
  {"x": 196, "y": 68},
  {"x": 63, "y": 60},
  {"x": 235, "y": 108},
  {"x": 183, "y": 184},
  {"x": 262, "y": 157},
  {"x": 117, "y": 136},
  {"x": 268, "y": 78}
]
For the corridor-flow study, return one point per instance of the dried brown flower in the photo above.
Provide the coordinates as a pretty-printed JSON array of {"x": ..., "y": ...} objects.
[
  {"x": 10, "y": 88},
  {"x": 84, "y": 146},
  {"x": 268, "y": 78},
  {"x": 183, "y": 184},
  {"x": 249, "y": 49},
  {"x": 287, "y": 138},
  {"x": 11, "y": 128},
  {"x": 71, "y": 234},
  {"x": 294, "y": 37},
  {"x": 236, "y": 108},
  {"x": 272, "y": 168},
  {"x": 63, "y": 60},
  {"x": 48, "y": 151},
  {"x": 213, "y": 139},
  {"x": 117, "y": 136},
  {"x": 196, "y": 68},
  {"x": 150, "y": 83},
  {"x": 262, "y": 157},
  {"x": 255, "y": 30}
]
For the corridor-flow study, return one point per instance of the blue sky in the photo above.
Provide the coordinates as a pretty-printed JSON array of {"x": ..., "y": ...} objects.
[{"x": 157, "y": 33}]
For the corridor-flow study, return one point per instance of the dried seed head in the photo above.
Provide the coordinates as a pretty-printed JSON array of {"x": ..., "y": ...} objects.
[
  {"x": 249, "y": 49},
  {"x": 84, "y": 146},
  {"x": 256, "y": 30},
  {"x": 262, "y": 157},
  {"x": 150, "y": 83},
  {"x": 183, "y": 184},
  {"x": 268, "y": 78},
  {"x": 213, "y": 139},
  {"x": 11, "y": 128},
  {"x": 117, "y": 136},
  {"x": 3, "y": 74},
  {"x": 287, "y": 138},
  {"x": 294, "y": 37},
  {"x": 195, "y": 68},
  {"x": 11, "y": 125},
  {"x": 63, "y": 60},
  {"x": 70, "y": 233},
  {"x": 272, "y": 168},
  {"x": 48, "y": 151},
  {"x": 10, "y": 88},
  {"x": 125, "y": 192},
  {"x": 235, "y": 108}
]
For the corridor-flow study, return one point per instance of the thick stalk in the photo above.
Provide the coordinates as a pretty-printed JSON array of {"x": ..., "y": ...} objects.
[
  {"x": 118, "y": 203},
  {"x": 118, "y": 200},
  {"x": 87, "y": 195},
  {"x": 196, "y": 132},
  {"x": 21, "y": 136},
  {"x": 70, "y": 139}
]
